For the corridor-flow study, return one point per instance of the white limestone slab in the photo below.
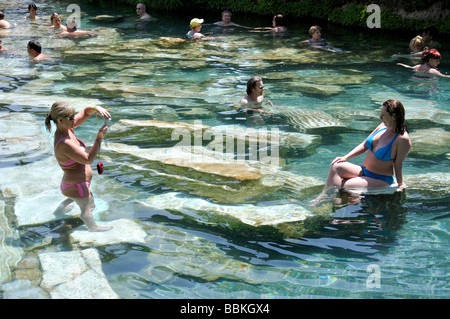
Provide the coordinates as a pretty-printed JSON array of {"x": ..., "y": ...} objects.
[
  {"x": 249, "y": 214},
  {"x": 123, "y": 231},
  {"x": 39, "y": 208},
  {"x": 22, "y": 289},
  {"x": 31, "y": 178},
  {"x": 44, "y": 101},
  {"x": 19, "y": 144},
  {"x": 75, "y": 275},
  {"x": 430, "y": 142},
  {"x": 9, "y": 255}
]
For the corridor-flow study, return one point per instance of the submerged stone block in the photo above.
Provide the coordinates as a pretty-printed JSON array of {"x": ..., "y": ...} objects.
[
  {"x": 430, "y": 142},
  {"x": 248, "y": 214},
  {"x": 9, "y": 255},
  {"x": 123, "y": 231},
  {"x": 312, "y": 120},
  {"x": 19, "y": 145},
  {"x": 75, "y": 275}
]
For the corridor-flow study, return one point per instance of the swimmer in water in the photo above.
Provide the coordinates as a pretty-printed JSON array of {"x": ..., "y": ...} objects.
[
  {"x": 196, "y": 27},
  {"x": 34, "y": 50},
  {"x": 3, "y": 23},
  {"x": 141, "y": 10},
  {"x": 55, "y": 20},
  {"x": 73, "y": 32},
  {"x": 226, "y": 20},
  {"x": 428, "y": 68},
  {"x": 254, "y": 99},
  {"x": 32, "y": 10},
  {"x": 316, "y": 40}
]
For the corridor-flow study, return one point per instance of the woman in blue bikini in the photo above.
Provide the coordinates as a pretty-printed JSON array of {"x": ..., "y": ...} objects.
[{"x": 388, "y": 146}]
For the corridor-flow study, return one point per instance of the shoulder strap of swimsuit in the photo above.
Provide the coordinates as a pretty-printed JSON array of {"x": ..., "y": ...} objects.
[{"x": 62, "y": 138}]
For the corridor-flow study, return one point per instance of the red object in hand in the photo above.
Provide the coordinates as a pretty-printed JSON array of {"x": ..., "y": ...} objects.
[{"x": 100, "y": 168}]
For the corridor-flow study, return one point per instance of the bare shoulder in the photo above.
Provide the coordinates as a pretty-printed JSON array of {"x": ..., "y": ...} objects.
[{"x": 405, "y": 140}]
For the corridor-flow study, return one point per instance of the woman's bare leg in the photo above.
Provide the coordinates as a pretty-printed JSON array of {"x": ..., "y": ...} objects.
[
  {"x": 65, "y": 206},
  {"x": 338, "y": 174},
  {"x": 87, "y": 206},
  {"x": 342, "y": 171}
]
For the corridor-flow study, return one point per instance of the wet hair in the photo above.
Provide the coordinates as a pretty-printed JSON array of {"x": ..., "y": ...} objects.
[
  {"x": 59, "y": 109},
  {"x": 395, "y": 108},
  {"x": 416, "y": 43},
  {"x": 428, "y": 54},
  {"x": 251, "y": 84},
  {"x": 32, "y": 5},
  {"x": 279, "y": 20},
  {"x": 2, "y": 15},
  {"x": 54, "y": 15},
  {"x": 226, "y": 11},
  {"x": 313, "y": 29},
  {"x": 35, "y": 45}
]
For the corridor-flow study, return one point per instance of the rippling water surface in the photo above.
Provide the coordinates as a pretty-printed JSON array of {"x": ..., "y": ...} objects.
[{"x": 194, "y": 249}]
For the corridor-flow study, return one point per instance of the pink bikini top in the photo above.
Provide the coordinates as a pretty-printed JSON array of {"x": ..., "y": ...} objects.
[{"x": 71, "y": 161}]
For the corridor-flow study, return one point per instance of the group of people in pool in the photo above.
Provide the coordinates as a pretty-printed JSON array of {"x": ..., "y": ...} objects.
[
  {"x": 387, "y": 146},
  {"x": 34, "y": 47},
  {"x": 278, "y": 26}
]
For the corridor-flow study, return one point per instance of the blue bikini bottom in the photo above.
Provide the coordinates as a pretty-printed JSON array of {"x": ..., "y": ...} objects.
[{"x": 387, "y": 179}]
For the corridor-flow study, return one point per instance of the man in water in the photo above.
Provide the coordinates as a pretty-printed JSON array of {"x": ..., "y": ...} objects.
[
  {"x": 141, "y": 11},
  {"x": 35, "y": 51},
  {"x": 226, "y": 20},
  {"x": 3, "y": 23},
  {"x": 254, "y": 99}
]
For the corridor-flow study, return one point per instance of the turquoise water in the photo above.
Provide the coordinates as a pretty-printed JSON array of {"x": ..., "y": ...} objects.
[{"x": 194, "y": 253}]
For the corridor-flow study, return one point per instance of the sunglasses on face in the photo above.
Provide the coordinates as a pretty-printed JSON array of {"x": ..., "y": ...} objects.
[{"x": 69, "y": 118}]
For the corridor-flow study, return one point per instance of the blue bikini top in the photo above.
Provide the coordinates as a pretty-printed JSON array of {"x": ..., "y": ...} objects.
[{"x": 384, "y": 153}]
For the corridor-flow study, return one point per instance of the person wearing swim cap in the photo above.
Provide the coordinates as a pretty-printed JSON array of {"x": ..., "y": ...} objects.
[
  {"x": 387, "y": 148},
  {"x": 196, "y": 27},
  {"x": 428, "y": 68}
]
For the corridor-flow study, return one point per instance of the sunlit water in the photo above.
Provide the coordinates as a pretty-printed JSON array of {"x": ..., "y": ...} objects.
[{"x": 192, "y": 254}]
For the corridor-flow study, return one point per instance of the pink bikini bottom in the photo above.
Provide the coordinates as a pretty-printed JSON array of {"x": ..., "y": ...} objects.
[{"x": 79, "y": 186}]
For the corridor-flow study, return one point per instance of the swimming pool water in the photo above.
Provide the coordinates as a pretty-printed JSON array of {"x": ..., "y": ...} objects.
[{"x": 189, "y": 253}]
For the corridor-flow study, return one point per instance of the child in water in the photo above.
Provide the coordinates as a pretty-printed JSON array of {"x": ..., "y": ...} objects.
[{"x": 428, "y": 68}]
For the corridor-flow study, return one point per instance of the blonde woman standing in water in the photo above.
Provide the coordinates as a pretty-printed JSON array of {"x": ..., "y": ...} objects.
[{"x": 74, "y": 159}]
